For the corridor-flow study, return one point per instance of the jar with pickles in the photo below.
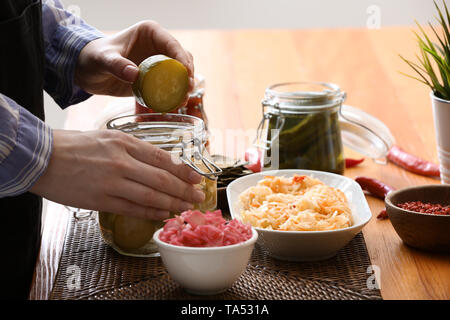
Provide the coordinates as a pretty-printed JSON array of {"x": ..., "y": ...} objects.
[
  {"x": 305, "y": 126},
  {"x": 301, "y": 121},
  {"x": 184, "y": 137}
]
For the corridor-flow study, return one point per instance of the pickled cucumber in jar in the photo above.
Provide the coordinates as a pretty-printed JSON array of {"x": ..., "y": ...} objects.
[
  {"x": 130, "y": 233},
  {"x": 209, "y": 187},
  {"x": 310, "y": 141},
  {"x": 127, "y": 234}
]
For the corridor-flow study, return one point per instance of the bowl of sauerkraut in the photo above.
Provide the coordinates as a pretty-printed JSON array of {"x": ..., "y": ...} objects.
[{"x": 300, "y": 215}]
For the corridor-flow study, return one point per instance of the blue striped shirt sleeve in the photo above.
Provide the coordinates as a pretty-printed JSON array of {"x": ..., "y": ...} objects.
[
  {"x": 25, "y": 147},
  {"x": 65, "y": 35},
  {"x": 26, "y": 141}
]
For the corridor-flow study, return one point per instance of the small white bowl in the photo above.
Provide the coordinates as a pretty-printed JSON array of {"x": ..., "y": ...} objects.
[
  {"x": 305, "y": 245},
  {"x": 206, "y": 270}
]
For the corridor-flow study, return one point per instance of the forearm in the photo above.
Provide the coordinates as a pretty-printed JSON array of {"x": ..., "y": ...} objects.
[{"x": 25, "y": 148}]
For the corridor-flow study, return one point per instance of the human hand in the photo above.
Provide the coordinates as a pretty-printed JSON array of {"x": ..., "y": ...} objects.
[
  {"x": 109, "y": 65},
  {"x": 108, "y": 170}
]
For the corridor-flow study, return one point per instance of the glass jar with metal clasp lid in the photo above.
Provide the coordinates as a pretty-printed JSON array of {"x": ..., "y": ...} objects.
[
  {"x": 305, "y": 126},
  {"x": 184, "y": 137}
]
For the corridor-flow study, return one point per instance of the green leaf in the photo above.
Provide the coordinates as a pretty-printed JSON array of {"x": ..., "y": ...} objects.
[
  {"x": 433, "y": 68},
  {"x": 415, "y": 78},
  {"x": 417, "y": 70},
  {"x": 443, "y": 49}
]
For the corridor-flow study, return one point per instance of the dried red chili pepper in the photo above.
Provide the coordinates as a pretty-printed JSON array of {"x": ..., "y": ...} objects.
[
  {"x": 375, "y": 187},
  {"x": 350, "y": 163},
  {"x": 412, "y": 163},
  {"x": 253, "y": 156},
  {"x": 382, "y": 214}
]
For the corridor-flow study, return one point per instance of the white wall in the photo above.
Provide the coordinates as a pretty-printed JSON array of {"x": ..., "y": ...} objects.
[{"x": 234, "y": 14}]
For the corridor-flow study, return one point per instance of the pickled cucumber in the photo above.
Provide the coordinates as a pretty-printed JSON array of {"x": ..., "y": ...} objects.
[
  {"x": 106, "y": 221},
  {"x": 131, "y": 233},
  {"x": 163, "y": 83},
  {"x": 310, "y": 141},
  {"x": 209, "y": 187}
]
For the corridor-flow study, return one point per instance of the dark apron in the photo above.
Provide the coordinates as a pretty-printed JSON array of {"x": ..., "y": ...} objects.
[{"x": 21, "y": 79}]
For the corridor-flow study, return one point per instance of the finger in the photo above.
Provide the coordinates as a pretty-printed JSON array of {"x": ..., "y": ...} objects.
[
  {"x": 156, "y": 157},
  {"x": 164, "y": 181},
  {"x": 148, "y": 197},
  {"x": 166, "y": 44},
  {"x": 120, "y": 67},
  {"x": 132, "y": 209}
]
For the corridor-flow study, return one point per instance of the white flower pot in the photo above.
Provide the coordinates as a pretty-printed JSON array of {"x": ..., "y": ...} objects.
[{"x": 441, "y": 114}]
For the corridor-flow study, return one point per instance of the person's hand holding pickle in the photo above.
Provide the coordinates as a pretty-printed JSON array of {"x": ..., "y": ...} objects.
[
  {"x": 109, "y": 65},
  {"x": 111, "y": 171}
]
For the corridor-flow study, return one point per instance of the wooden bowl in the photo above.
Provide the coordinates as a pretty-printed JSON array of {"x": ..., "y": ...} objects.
[{"x": 419, "y": 230}]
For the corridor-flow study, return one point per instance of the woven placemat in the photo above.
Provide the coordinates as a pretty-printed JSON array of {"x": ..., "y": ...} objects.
[{"x": 89, "y": 269}]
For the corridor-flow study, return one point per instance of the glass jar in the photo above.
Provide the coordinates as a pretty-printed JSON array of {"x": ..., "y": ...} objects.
[
  {"x": 184, "y": 137},
  {"x": 305, "y": 126},
  {"x": 302, "y": 120}
]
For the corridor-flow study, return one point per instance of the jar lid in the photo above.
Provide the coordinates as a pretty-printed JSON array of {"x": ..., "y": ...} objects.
[
  {"x": 301, "y": 97},
  {"x": 364, "y": 133}
]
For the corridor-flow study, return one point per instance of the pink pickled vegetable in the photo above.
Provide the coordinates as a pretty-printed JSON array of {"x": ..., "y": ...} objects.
[{"x": 210, "y": 229}]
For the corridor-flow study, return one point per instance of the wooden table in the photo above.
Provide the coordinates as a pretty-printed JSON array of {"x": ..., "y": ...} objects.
[{"x": 239, "y": 65}]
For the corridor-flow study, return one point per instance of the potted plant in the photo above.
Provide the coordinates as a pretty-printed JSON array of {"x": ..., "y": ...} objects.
[{"x": 433, "y": 70}]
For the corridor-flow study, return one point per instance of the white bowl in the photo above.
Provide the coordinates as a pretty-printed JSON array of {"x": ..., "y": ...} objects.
[
  {"x": 206, "y": 270},
  {"x": 305, "y": 245}
]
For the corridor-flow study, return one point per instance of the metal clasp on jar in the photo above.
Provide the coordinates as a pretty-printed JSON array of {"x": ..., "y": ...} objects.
[
  {"x": 213, "y": 170},
  {"x": 260, "y": 141}
]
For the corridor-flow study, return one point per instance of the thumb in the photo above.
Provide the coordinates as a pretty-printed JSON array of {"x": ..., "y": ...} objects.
[{"x": 121, "y": 67}]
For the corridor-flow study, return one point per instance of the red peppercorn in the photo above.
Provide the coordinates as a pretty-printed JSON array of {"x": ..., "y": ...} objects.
[{"x": 427, "y": 208}]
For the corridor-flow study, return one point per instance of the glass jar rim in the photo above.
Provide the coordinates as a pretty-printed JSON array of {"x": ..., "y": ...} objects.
[
  {"x": 172, "y": 126},
  {"x": 303, "y": 96},
  {"x": 198, "y": 124},
  {"x": 188, "y": 140},
  {"x": 328, "y": 89}
]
